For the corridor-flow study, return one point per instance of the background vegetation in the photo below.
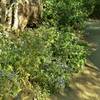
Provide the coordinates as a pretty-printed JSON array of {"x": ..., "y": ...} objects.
[
  {"x": 96, "y": 12},
  {"x": 44, "y": 59}
]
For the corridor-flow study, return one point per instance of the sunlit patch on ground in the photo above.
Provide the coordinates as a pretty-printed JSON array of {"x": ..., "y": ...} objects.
[{"x": 83, "y": 87}]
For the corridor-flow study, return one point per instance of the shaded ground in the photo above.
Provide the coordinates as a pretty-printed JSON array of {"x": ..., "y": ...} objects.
[
  {"x": 86, "y": 86},
  {"x": 93, "y": 37}
]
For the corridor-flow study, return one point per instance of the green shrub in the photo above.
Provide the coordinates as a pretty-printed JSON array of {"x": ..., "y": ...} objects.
[
  {"x": 44, "y": 57},
  {"x": 64, "y": 13}
]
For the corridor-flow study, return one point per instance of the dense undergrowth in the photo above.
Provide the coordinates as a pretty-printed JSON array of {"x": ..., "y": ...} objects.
[
  {"x": 96, "y": 12},
  {"x": 45, "y": 58}
]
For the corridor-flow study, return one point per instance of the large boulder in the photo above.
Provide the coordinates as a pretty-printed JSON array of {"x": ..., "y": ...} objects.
[{"x": 17, "y": 14}]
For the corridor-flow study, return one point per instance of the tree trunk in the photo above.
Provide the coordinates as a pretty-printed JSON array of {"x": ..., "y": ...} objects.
[{"x": 17, "y": 14}]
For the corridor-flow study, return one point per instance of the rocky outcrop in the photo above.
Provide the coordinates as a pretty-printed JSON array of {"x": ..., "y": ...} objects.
[{"x": 17, "y": 14}]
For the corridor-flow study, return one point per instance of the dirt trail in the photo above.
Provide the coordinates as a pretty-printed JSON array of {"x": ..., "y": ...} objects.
[{"x": 86, "y": 86}]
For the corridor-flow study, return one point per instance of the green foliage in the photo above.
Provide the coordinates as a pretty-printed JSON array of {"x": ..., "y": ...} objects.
[
  {"x": 69, "y": 51},
  {"x": 64, "y": 13},
  {"x": 44, "y": 57}
]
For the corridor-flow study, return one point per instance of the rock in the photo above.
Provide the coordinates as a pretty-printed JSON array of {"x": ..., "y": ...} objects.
[{"x": 17, "y": 14}]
